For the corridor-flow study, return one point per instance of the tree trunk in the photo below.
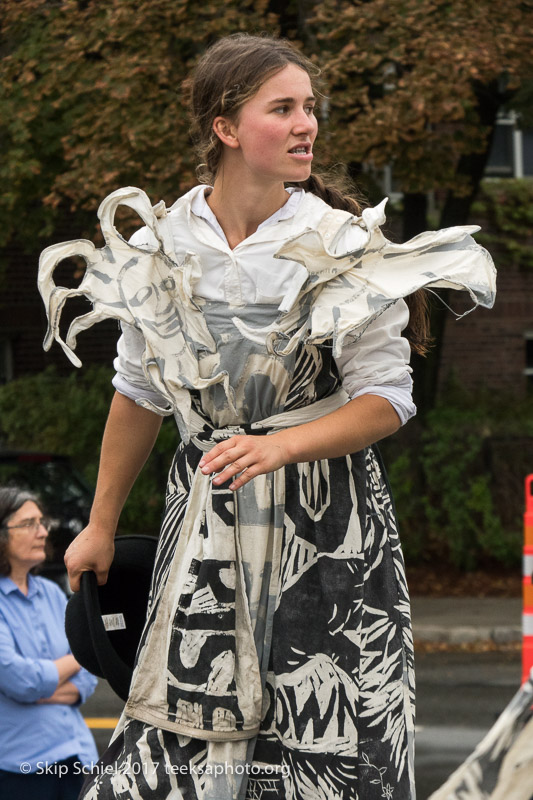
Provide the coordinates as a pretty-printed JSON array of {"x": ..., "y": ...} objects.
[
  {"x": 456, "y": 211},
  {"x": 415, "y": 209}
]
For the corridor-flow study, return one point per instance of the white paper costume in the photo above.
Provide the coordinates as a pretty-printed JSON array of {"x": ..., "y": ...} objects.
[{"x": 276, "y": 661}]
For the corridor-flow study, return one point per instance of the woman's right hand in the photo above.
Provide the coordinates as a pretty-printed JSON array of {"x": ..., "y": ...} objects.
[{"x": 93, "y": 549}]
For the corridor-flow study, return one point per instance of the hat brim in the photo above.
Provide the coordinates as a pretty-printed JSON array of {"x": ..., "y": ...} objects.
[{"x": 104, "y": 623}]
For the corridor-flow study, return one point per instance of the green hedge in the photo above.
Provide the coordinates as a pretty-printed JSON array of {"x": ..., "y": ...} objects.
[
  {"x": 48, "y": 412},
  {"x": 458, "y": 482},
  {"x": 505, "y": 207}
]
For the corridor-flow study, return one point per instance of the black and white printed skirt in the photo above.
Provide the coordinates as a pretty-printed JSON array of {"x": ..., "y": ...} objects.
[{"x": 332, "y": 632}]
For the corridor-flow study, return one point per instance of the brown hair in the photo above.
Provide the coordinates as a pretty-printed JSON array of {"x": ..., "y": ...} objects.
[
  {"x": 11, "y": 499},
  {"x": 231, "y": 72}
]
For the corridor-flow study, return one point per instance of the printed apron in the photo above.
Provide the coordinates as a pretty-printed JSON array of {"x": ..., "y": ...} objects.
[{"x": 308, "y": 559}]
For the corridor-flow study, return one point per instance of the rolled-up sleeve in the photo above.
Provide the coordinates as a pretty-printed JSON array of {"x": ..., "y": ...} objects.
[
  {"x": 85, "y": 683},
  {"x": 24, "y": 679},
  {"x": 378, "y": 362},
  {"x": 129, "y": 378}
]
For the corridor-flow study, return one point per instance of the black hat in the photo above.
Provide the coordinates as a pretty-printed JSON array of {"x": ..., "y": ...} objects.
[{"x": 104, "y": 623}]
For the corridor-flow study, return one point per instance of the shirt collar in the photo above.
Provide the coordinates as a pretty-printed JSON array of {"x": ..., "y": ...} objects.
[
  {"x": 7, "y": 586},
  {"x": 200, "y": 208},
  {"x": 305, "y": 203}
]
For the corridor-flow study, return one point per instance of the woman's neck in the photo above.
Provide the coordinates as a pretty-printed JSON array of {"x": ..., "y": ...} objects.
[
  {"x": 240, "y": 210},
  {"x": 19, "y": 576}
]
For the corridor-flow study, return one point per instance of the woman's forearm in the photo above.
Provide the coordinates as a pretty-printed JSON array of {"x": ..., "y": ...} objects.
[
  {"x": 359, "y": 423},
  {"x": 67, "y": 694},
  {"x": 66, "y": 666},
  {"x": 129, "y": 437},
  {"x": 356, "y": 425}
]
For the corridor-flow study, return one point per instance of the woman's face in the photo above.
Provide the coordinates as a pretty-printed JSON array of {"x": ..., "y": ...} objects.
[
  {"x": 276, "y": 128},
  {"x": 26, "y": 545}
]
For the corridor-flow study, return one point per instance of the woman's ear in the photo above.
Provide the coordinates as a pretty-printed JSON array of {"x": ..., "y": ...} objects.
[{"x": 226, "y": 132}]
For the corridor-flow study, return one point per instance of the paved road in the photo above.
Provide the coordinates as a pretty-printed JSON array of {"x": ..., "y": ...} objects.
[
  {"x": 101, "y": 711},
  {"x": 460, "y": 695}
]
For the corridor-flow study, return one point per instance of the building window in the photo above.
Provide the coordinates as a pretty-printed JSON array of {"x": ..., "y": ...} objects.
[
  {"x": 511, "y": 155},
  {"x": 528, "y": 371},
  {"x": 6, "y": 361}
]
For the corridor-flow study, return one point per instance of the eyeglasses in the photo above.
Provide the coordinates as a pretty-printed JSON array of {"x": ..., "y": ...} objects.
[{"x": 31, "y": 525}]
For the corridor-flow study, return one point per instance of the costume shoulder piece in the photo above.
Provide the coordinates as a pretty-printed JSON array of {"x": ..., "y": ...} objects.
[
  {"x": 344, "y": 292},
  {"x": 144, "y": 287},
  {"x": 337, "y": 296}
]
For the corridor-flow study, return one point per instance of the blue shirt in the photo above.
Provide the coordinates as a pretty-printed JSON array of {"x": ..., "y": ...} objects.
[{"x": 32, "y": 636}]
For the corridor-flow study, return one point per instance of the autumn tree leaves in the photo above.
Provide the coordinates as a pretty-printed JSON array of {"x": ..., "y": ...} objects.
[{"x": 93, "y": 94}]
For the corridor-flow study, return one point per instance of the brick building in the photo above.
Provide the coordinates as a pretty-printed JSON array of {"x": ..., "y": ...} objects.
[
  {"x": 23, "y": 324},
  {"x": 493, "y": 348}
]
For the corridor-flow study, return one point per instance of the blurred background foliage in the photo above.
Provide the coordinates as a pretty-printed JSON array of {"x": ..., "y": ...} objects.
[
  {"x": 506, "y": 207},
  {"x": 458, "y": 479},
  {"x": 93, "y": 96},
  {"x": 48, "y": 412},
  {"x": 457, "y": 489}
]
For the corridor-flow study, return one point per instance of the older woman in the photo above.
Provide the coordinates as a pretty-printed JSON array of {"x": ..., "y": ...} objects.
[{"x": 45, "y": 746}]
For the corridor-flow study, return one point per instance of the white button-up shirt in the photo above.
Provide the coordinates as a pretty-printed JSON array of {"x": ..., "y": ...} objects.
[{"x": 378, "y": 363}]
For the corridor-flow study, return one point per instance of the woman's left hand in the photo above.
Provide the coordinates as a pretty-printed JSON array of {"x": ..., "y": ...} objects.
[
  {"x": 248, "y": 455},
  {"x": 359, "y": 423}
]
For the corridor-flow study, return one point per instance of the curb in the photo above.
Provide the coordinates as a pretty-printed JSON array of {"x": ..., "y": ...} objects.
[
  {"x": 467, "y": 634},
  {"x": 467, "y": 620}
]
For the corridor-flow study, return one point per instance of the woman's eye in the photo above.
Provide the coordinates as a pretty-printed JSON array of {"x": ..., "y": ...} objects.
[{"x": 309, "y": 110}]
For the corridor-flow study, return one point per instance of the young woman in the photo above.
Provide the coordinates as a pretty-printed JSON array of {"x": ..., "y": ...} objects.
[{"x": 266, "y": 313}]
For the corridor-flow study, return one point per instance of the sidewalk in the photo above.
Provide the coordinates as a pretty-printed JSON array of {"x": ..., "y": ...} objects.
[{"x": 463, "y": 620}]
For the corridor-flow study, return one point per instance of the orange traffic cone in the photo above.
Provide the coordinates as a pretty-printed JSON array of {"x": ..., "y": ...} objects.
[{"x": 527, "y": 593}]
